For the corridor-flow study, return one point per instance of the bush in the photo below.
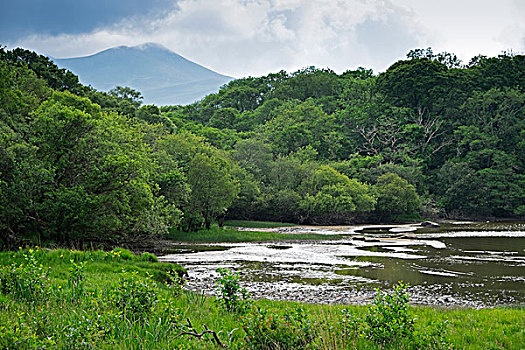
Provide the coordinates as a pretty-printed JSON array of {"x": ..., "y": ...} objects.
[
  {"x": 389, "y": 324},
  {"x": 121, "y": 253},
  {"x": 293, "y": 330},
  {"x": 388, "y": 319},
  {"x": 174, "y": 282},
  {"x": 149, "y": 257},
  {"x": 134, "y": 296},
  {"x": 231, "y": 295}
]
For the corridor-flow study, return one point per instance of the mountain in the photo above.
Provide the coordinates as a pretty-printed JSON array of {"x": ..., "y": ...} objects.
[{"x": 162, "y": 76}]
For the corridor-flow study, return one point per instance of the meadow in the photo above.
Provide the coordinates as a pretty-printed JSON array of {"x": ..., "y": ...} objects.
[{"x": 66, "y": 299}]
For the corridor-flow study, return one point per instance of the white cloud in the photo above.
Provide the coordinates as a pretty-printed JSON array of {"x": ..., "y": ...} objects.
[{"x": 254, "y": 37}]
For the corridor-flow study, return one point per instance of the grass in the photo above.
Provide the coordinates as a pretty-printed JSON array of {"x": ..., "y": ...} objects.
[
  {"x": 256, "y": 224},
  {"x": 215, "y": 235},
  {"x": 91, "y": 319}
]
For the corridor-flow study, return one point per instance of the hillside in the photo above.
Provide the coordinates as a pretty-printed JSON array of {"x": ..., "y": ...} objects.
[{"x": 162, "y": 76}]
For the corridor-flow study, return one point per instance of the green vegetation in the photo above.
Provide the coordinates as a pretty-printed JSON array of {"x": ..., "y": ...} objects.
[
  {"x": 429, "y": 137},
  {"x": 231, "y": 295},
  {"x": 82, "y": 168},
  {"x": 85, "y": 300},
  {"x": 234, "y": 236},
  {"x": 256, "y": 224}
]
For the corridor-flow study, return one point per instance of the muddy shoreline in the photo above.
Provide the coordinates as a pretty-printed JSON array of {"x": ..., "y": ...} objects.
[
  {"x": 201, "y": 281},
  {"x": 461, "y": 264}
]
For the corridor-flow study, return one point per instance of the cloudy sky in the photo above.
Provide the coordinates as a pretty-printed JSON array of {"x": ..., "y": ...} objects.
[{"x": 255, "y": 37}]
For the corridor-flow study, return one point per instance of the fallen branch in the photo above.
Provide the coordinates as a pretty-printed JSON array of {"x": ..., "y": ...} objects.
[{"x": 194, "y": 333}]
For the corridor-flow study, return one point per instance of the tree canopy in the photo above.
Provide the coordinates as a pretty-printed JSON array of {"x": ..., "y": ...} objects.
[{"x": 429, "y": 136}]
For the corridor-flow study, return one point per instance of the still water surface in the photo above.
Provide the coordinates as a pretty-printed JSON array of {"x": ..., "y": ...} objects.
[{"x": 458, "y": 264}]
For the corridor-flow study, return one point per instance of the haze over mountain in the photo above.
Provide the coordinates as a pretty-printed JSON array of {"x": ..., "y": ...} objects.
[{"x": 162, "y": 76}]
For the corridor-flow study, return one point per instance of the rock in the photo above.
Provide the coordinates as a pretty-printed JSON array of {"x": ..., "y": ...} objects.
[{"x": 429, "y": 224}]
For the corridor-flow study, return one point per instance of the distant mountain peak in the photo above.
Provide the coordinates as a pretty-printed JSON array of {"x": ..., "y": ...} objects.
[
  {"x": 161, "y": 75},
  {"x": 151, "y": 45}
]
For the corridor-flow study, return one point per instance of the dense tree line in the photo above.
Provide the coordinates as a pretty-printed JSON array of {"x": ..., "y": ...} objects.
[
  {"x": 430, "y": 136},
  {"x": 96, "y": 167},
  {"x": 452, "y": 132}
]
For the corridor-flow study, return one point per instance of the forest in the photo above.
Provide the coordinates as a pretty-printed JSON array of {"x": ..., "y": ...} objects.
[{"x": 429, "y": 137}]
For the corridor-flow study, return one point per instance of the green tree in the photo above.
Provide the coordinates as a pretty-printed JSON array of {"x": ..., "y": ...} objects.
[
  {"x": 84, "y": 175},
  {"x": 334, "y": 198},
  {"x": 212, "y": 186},
  {"x": 395, "y": 196}
]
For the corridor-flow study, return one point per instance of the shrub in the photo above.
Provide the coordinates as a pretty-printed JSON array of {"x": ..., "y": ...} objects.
[
  {"x": 389, "y": 319},
  {"x": 27, "y": 281},
  {"x": 293, "y": 330},
  {"x": 389, "y": 324},
  {"x": 122, "y": 253},
  {"x": 175, "y": 282},
  {"x": 231, "y": 295},
  {"x": 149, "y": 257},
  {"x": 134, "y": 296},
  {"x": 170, "y": 314}
]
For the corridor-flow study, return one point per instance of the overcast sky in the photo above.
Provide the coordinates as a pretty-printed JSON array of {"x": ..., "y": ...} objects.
[{"x": 255, "y": 37}]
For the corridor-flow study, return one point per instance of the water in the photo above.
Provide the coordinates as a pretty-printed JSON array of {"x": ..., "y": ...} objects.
[{"x": 462, "y": 264}]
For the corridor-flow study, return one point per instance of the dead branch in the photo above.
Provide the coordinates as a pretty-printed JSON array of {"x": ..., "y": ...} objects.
[{"x": 194, "y": 333}]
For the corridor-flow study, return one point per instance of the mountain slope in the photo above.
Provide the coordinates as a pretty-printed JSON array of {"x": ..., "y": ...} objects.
[{"x": 162, "y": 76}]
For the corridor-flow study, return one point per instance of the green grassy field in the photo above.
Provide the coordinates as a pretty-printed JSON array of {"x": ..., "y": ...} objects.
[
  {"x": 234, "y": 236},
  {"x": 62, "y": 299},
  {"x": 256, "y": 224}
]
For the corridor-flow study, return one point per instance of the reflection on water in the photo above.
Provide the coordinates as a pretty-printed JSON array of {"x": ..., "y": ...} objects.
[{"x": 457, "y": 264}]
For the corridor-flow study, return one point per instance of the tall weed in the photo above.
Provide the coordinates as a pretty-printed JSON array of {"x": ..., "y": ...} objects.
[{"x": 28, "y": 280}]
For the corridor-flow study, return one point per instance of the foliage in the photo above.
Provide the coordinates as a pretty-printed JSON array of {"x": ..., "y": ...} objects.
[
  {"x": 27, "y": 281},
  {"x": 18, "y": 334},
  {"x": 133, "y": 295},
  {"x": 123, "y": 253},
  {"x": 389, "y": 319},
  {"x": 395, "y": 196},
  {"x": 76, "y": 280},
  {"x": 232, "y": 296},
  {"x": 213, "y": 188},
  {"x": 79, "y": 167},
  {"x": 291, "y": 330},
  {"x": 389, "y": 323},
  {"x": 149, "y": 257}
]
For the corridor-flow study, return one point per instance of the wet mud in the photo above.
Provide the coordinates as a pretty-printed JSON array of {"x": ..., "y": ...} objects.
[{"x": 457, "y": 265}]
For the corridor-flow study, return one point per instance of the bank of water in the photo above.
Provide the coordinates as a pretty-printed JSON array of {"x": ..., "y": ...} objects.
[{"x": 457, "y": 264}]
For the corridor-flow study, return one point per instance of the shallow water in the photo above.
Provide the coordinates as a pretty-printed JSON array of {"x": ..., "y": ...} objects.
[{"x": 475, "y": 265}]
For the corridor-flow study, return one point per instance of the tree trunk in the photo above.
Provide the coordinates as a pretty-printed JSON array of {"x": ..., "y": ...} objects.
[{"x": 207, "y": 222}]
